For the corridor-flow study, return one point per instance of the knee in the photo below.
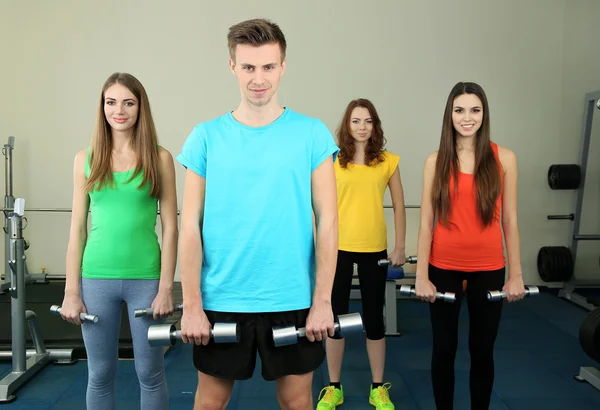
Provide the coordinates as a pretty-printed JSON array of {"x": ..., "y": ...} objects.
[
  {"x": 101, "y": 376},
  {"x": 375, "y": 329},
  {"x": 210, "y": 401},
  {"x": 374, "y": 325},
  {"x": 150, "y": 373},
  {"x": 298, "y": 402},
  {"x": 445, "y": 350}
]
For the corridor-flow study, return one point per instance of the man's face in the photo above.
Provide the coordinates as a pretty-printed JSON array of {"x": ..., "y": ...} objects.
[{"x": 258, "y": 70}]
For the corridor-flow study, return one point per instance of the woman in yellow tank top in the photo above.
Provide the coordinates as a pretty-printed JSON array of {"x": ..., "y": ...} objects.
[{"x": 364, "y": 170}]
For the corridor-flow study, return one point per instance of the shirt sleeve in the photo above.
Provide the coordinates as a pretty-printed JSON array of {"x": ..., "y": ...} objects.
[
  {"x": 323, "y": 145},
  {"x": 193, "y": 152},
  {"x": 392, "y": 161}
]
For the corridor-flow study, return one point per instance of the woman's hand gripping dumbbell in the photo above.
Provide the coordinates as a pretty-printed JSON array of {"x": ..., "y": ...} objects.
[
  {"x": 386, "y": 262},
  {"x": 345, "y": 325},
  {"x": 409, "y": 290},
  {"x": 495, "y": 295},
  {"x": 84, "y": 317},
  {"x": 150, "y": 311}
]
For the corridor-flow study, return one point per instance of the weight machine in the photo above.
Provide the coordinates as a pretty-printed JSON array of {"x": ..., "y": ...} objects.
[
  {"x": 25, "y": 363},
  {"x": 569, "y": 290}
]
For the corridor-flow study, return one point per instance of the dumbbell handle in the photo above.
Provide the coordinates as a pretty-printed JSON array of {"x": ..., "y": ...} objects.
[
  {"x": 302, "y": 331},
  {"x": 494, "y": 295},
  {"x": 86, "y": 317},
  {"x": 150, "y": 311},
  {"x": 385, "y": 262},
  {"x": 446, "y": 296}
]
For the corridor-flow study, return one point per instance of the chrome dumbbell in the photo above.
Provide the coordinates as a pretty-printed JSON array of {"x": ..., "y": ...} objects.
[
  {"x": 348, "y": 324},
  {"x": 165, "y": 335},
  {"x": 495, "y": 295},
  {"x": 386, "y": 262},
  {"x": 150, "y": 311},
  {"x": 86, "y": 317},
  {"x": 409, "y": 290}
]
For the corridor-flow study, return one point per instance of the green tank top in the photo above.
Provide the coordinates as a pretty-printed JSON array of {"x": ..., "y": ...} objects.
[{"x": 122, "y": 242}]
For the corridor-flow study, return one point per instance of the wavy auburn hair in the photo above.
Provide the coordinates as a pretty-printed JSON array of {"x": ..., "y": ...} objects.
[
  {"x": 144, "y": 140},
  {"x": 374, "y": 149},
  {"x": 487, "y": 175}
]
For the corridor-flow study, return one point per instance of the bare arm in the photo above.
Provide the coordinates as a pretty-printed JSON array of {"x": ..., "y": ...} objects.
[
  {"x": 397, "y": 194},
  {"x": 190, "y": 243},
  {"x": 324, "y": 196},
  {"x": 426, "y": 220},
  {"x": 509, "y": 212},
  {"x": 78, "y": 230},
  {"x": 168, "y": 219}
]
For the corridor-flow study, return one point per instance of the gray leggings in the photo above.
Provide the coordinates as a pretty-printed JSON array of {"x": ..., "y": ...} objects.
[{"x": 104, "y": 298}]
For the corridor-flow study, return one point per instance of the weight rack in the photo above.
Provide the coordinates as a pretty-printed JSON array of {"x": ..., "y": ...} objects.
[{"x": 569, "y": 290}]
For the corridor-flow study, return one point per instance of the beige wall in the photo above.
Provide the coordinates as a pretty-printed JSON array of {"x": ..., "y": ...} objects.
[{"x": 532, "y": 57}]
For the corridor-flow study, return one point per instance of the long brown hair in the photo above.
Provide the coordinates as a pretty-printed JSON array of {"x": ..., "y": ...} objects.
[
  {"x": 374, "y": 149},
  {"x": 144, "y": 141},
  {"x": 487, "y": 176}
]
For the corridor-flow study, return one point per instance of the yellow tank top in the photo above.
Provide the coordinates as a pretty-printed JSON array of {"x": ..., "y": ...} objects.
[{"x": 360, "y": 191}]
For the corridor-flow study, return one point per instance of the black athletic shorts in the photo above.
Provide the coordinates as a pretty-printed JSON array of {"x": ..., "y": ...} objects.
[{"x": 236, "y": 361}]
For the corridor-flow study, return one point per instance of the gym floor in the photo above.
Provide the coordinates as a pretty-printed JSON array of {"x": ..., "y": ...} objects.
[{"x": 537, "y": 354}]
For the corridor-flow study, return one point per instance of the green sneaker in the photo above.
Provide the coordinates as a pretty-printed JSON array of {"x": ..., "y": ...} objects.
[
  {"x": 380, "y": 397},
  {"x": 332, "y": 397}
]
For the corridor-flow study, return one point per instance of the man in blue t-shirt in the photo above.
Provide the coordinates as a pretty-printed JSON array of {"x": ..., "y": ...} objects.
[{"x": 247, "y": 245}]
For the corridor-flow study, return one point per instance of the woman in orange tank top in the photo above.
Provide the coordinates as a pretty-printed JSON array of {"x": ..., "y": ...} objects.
[{"x": 469, "y": 201}]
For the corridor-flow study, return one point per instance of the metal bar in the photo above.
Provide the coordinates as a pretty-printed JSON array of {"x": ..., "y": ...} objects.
[
  {"x": 585, "y": 145},
  {"x": 8, "y": 178},
  {"x": 56, "y": 355},
  {"x": 570, "y": 217},
  {"x": 67, "y": 210},
  {"x": 19, "y": 361},
  {"x": 35, "y": 332},
  {"x": 586, "y": 237}
]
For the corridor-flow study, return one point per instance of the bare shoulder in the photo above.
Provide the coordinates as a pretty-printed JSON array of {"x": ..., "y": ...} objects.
[
  {"x": 79, "y": 161},
  {"x": 165, "y": 156},
  {"x": 431, "y": 160},
  {"x": 508, "y": 158}
]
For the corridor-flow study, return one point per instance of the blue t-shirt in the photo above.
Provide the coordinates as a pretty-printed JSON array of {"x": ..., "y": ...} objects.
[{"x": 257, "y": 231}]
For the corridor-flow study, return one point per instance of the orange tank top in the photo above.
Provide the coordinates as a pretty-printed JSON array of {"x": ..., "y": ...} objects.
[{"x": 465, "y": 245}]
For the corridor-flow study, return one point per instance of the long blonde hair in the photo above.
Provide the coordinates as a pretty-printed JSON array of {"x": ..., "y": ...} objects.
[{"x": 144, "y": 141}]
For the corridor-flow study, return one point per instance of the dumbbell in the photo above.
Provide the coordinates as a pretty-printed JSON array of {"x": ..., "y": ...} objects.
[
  {"x": 409, "y": 290},
  {"x": 345, "y": 325},
  {"x": 165, "y": 335},
  {"x": 386, "y": 262},
  {"x": 495, "y": 295},
  {"x": 150, "y": 311},
  {"x": 86, "y": 317}
]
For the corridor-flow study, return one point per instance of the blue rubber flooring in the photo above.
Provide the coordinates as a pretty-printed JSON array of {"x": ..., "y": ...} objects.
[{"x": 537, "y": 354}]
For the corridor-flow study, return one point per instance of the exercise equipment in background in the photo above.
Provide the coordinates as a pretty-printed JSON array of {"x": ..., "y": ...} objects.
[
  {"x": 557, "y": 263},
  {"x": 589, "y": 338},
  {"x": 25, "y": 363}
]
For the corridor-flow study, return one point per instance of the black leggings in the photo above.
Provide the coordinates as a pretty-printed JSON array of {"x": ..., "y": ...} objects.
[
  {"x": 484, "y": 320},
  {"x": 372, "y": 278}
]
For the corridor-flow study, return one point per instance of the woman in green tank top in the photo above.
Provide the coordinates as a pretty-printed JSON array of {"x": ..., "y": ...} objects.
[{"x": 121, "y": 180}]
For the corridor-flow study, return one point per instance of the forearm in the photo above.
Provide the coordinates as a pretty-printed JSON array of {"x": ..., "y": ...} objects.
[
  {"x": 400, "y": 227},
  {"x": 326, "y": 257},
  {"x": 423, "y": 251},
  {"x": 190, "y": 266},
  {"x": 73, "y": 263},
  {"x": 168, "y": 258},
  {"x": 513, "y": 248}
]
